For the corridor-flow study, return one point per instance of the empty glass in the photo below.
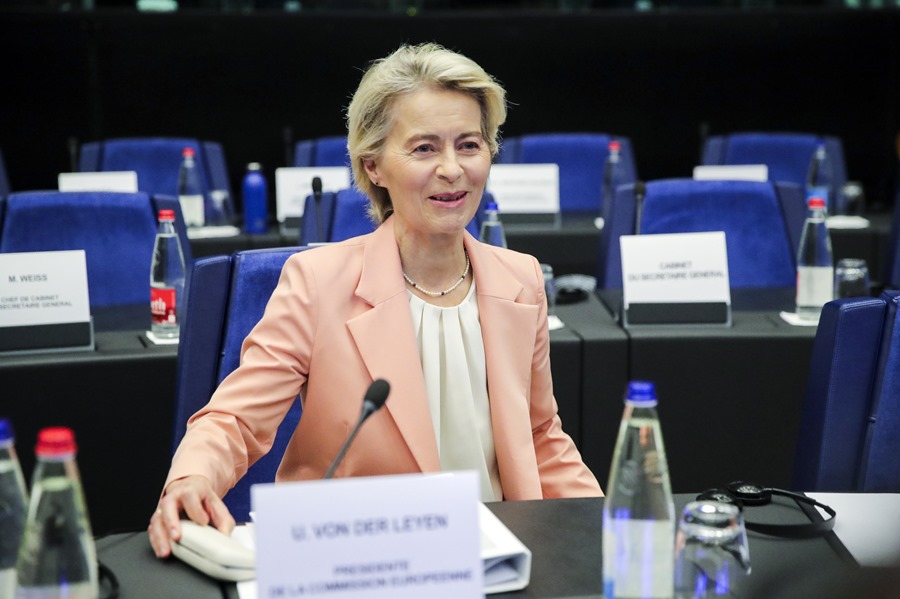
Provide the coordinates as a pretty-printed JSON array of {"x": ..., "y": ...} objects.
[
  {"x": 851, "y": 278},
  {"x": 549, "y": 288},
  {"x": 712, "y": 556}
]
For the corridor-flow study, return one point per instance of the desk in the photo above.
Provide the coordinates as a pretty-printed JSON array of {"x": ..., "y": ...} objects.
[{"x": 563, "y": 534}]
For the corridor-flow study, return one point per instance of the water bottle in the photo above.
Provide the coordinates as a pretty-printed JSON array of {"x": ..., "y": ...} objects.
[
  {"x": 13, "y": 501},
  {"x": 820, "y": 180},
  {"x": 492, "y": 227},
  {"x": 255, "y": 207},
  {"x": 57, "y": 558},
  {"x": 612, "y": 177},
  {"x": 815, "y": 266},
  {"x": 638, "y": 512},
  {"x": 190, "y": 193},
  {"x": 166, "y": 279}
]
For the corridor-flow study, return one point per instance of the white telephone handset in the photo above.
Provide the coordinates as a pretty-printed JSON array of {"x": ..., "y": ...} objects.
[{"x": 214, "y": 553}]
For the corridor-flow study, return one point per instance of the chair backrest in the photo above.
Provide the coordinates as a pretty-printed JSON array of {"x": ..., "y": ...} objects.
[
  {"x": 759, "y": 245},
  {"x": 880, "y": 469},
  {"x": 323, "y": 151},
  {"x": 836, "y": 405},
  {"x": 581, "y": 158},
  {"x": 226, "y": 297},
  {"x": 787, "y": 156},
  {"x": 4, "y": 180},
  {"x": 116, "y": 230}
]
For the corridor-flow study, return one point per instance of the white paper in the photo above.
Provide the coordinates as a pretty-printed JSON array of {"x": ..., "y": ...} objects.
[
  {"x": 525, "y": 188},
  {"x": 124, "y": 181},
  {"x": 294, "y": 183},
  {"x": 867, "y": 524},
  {"x": 404, "y": 536},
  {"x": 39, "y": 288},
  {"x": 675, "y": 268},
  {"x": 732, "y": 172}
]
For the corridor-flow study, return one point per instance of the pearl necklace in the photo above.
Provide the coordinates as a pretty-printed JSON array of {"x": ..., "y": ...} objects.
[{"x": 445, "y": 291}]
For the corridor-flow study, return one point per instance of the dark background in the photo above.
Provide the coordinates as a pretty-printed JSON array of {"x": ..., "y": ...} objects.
[{"x": 247, "y": 80}]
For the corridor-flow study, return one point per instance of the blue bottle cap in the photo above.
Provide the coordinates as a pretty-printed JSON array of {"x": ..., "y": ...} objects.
[
  {"x": 6, "y": 430},
  {"x": 641, "y": 391},
  {"x": 492, "y": 205}
]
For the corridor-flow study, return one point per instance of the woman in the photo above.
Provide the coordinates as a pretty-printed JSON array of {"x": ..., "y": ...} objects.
[{"x": 458, "y": 328}]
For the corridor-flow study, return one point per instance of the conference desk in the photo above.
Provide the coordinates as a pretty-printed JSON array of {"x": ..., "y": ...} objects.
[{"x": 564, "y": 536}]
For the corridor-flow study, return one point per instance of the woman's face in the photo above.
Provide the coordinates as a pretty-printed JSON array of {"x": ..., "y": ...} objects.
[{"x": 435, "y": 162}]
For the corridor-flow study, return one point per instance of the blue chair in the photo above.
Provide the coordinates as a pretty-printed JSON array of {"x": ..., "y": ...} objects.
[
  {"x": 836, "y": 405},
  {"x": 787, "y": 156},
  {"x": 581, "y": 158},
  {"x": 157, "y": 162},
  {"x": 4, "y": 180},
  {"x": 226, "y": 297},
  {"x": 323, "y": 151},
  {"x": 116, "y": 230},
  {"x": 760, "y": 245}
]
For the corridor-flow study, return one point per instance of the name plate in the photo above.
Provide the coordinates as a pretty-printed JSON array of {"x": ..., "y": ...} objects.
[
  {"x": 525, "y": 188},
  {"x": 294, "y": 183},
  {"x": 124, "y": 181},
  {"x": 44, "y": 301},
  {"x": 732, "y": 172},
  {"x": 404, "y": 536},
  {"x": 679, "y": 278}
]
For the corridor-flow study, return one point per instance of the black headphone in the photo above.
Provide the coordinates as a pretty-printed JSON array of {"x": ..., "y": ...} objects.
[{"x": 740, "y": 494}]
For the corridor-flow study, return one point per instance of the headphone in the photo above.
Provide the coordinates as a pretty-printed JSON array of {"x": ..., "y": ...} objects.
[{"x": 740, "y": 494}]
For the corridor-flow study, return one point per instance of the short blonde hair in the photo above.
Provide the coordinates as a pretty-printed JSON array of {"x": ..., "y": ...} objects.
[{"x": 409, "y": 69}]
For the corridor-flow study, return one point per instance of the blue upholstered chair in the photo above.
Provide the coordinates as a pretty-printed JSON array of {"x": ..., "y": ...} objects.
[
  {"x": 581, "y": 158},
  {"x": 758, "y": 240},
  {"x": 226, "y": 297},
  {"x": 157, "y": 161},
  {"x": 323, "y": 151},
  {"x": 787, "y": 156},
  {"x": 836, "y": 405},
  {"x": 4, "y": 180},
  {"x": 344, "y": 215},
  {"x": 116, "y": 230}
]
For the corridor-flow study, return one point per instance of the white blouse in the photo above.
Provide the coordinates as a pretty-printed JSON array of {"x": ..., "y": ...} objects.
[{"x": 452, "y": 353}]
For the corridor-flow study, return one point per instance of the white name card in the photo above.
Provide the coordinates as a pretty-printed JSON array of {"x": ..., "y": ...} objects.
[
  {"x": 525, "y": 188},
  {"x": 294, "y": 183},
  {"x": 38, "y": 288},
  {"x": 670, "y": 271},
  {"x": 124, "y": 181},
  {"x": 732, "y": 172},
  {"x": 404, "y": 536}
]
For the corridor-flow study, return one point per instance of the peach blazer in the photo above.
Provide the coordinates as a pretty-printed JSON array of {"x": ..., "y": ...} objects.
[{"x": 340, "y": 318}]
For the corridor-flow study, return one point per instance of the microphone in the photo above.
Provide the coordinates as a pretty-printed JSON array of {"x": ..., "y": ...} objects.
[
  {"x": 375, "y": 397},
  {"x": 640, "y": 190},
  {"x": 317, "y": 196}
]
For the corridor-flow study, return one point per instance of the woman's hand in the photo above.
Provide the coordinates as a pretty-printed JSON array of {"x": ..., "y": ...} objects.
[{"x": 194, "y": 497}]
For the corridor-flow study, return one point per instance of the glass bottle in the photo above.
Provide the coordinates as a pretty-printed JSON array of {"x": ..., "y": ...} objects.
[
  {"x": 13, "y": 501},
  {"x": 166, "y": 279},
  {"x": 815, "y": 265},
  {"x": 190, "y": 193},
  {"x": 492, "y": 227},
  {"x": 57, "y": 558},
  {"x": 820, "y": 179},
  {"x": 612, "y": 177},
  {"x": 638, "y": 512}
]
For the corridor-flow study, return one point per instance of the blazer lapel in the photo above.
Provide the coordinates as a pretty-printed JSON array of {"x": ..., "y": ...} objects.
[
  {"x": 387, "y": 344},
  {"x": 508, "y": 330}
]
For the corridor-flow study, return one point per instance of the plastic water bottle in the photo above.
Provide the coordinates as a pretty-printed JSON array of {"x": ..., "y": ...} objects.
[
  {"x": 638, "y": 513},
  {"x": 612, "y": 177},
  {"x": 492, "y": 227},
  {"x": 57, "y": 558},
  {"x": 190, "y": 193},
  {"x": 166, "y": 279},
  {"x": 815, "y": 265},
  {"x": 13, "y": 501},
  {"x": 820, "y": 179},
  {"x": 256, "y": 219}
]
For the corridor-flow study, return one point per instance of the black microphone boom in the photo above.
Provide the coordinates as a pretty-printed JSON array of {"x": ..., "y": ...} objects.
[
  {"x": 640, "y": 190},
  {"x": 317, "y": 196},
  {"x": 376, "y": 395}
]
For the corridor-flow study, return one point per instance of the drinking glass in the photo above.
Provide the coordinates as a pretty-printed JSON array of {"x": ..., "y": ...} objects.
[
  {"x": 851, "y": 278},
  {"x": 549, "y": 288},
  {"x": 712, "y": 556}
]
